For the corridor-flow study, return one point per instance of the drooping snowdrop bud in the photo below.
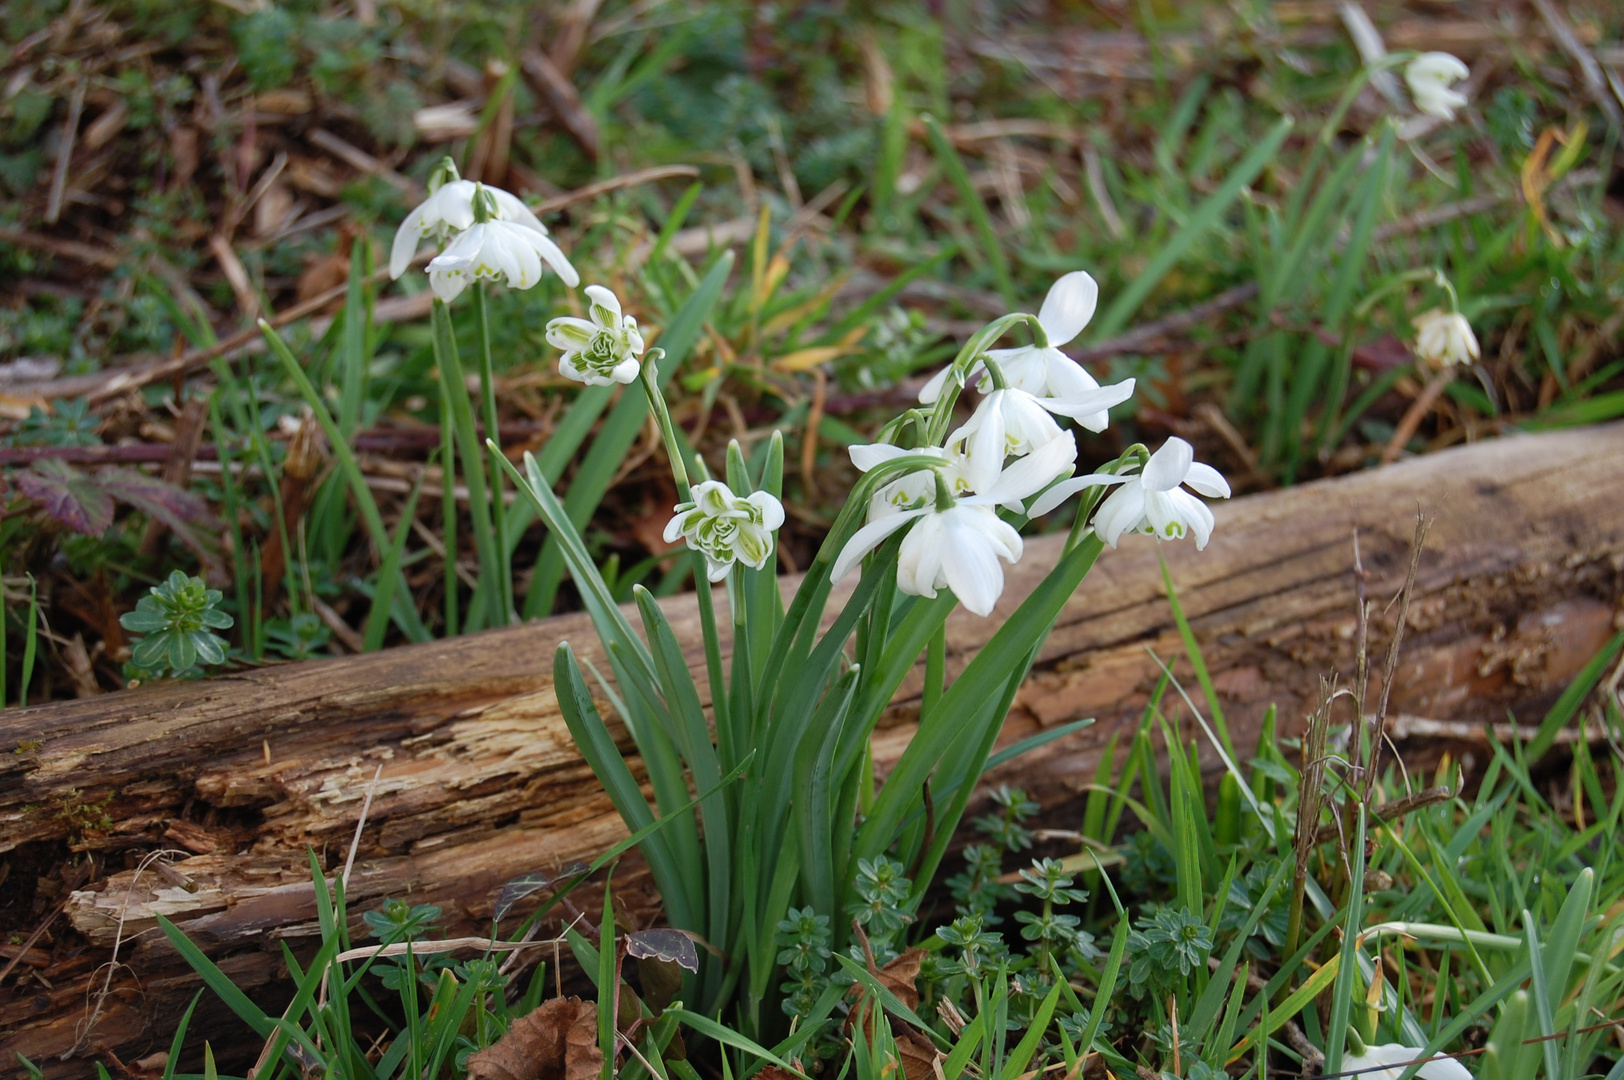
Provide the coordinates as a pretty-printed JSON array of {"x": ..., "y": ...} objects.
[
  {"x": 599, "y": 351},
  {"x": 1430, "y": 76},
  {"x": 1444, "y": 337},
  {"x": 726, "y": 528},
  {"x": 1151, "y": 500},
  {"x": 449, "y": 211},
  {"x": 1369, "y": 1065},
  {"x": 957, "y": 543},
  {"x": 1042, "y": 370}
]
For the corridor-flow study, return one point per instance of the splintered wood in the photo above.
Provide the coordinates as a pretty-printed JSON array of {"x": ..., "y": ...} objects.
[{"x": 1519, "y": 585}]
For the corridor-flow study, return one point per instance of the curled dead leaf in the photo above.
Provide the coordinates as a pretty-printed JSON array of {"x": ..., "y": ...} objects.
[{"x": 557, "y": 1041}]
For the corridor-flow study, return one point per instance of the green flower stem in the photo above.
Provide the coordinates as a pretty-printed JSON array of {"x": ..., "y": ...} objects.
[
  {"x": 487, "y": 386},
  {"x": 454, "y": 390},
  {"x": 942, "y": 411},
  {"x": 448, "y": 519},
  {"x": 702, "y": 588}
]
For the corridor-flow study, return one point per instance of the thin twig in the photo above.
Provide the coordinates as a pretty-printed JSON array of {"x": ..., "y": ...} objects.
[
  {"x": 1152, "y": 332},
  {"x": 1415, "y": 413},
  {"x": 614, "y": 183},
  {"x": 64, "y": 155},
  {"x": 1392, "y": 810},
  {"x": 1423, "y": 525}
]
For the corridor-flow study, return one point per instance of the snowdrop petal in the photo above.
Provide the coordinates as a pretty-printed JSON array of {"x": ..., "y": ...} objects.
[
  {"x": 554, "y": 257},
  {"x": 1195, "y": 513},
  {"x": 1168, "y": 466},
  {"x": 1025, "y": 368},
  {"x": 518, "y": 261},
  {"x": 1121, "y": 512},
  {"x": 407, "y": 237},
  {"x": 1090, "y": 402},
  {"x": 601, "y": 297},
  {"x": 1069, "y": 306},
  {"x": 447, "y": 283},
  {"x": 1393, "y": 1055},
  {"x": 1066, "y": 378},
  {"x": 868, "y": 538},
  {"x": 986, "y": 443},
  {"x": 770, "y": 509},
  {"x": 1207, "y": 480},
  {"x": 866, "y": 456},
  {"x": 919, "y": 559},
  {"x": 1033, "y": 472},
  {"x": 971, "y": 567},
  {"x": 511, "y": 208},
  {"x": 932, "y": 390}
]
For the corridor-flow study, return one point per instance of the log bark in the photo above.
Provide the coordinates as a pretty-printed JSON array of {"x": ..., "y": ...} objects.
[{"x": 1519, "y": 586}]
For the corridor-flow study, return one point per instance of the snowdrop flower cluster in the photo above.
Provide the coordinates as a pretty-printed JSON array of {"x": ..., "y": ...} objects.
[
  {"x": 1395, "y": 1057},
  {"x": 727, "y": 528},
  {"x": 1011, "y": 449},
  {"x": 488, "y": 234},
  {"x": 1443, "y": 338},
  {"x": 601, "y": 351},
  {"x": 1431, "y": 77}
]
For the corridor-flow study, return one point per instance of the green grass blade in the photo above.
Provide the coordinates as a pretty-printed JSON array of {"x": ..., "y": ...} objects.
[
  {"x": 404, "y": 614},
  {"x": 728, "y": 1037},
  {"x": 1002, "y": 654},
  {"x": 1568, "y": 704},
  {"x": 217, "y": 980},
  {"x": 1192, "y": 649},
  {"x": 1016, "y": 1063},
  {"x": 991, "y": 247},
  {"x": 179, "y": 1040},
  {"x": 1205, "y": 217},
  {"x": 383, "y": 597}
]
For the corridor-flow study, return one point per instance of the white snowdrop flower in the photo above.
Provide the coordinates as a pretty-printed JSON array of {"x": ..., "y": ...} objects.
[
  {"x": 1014, "y": 422},
  {"x": 1043, "y": 370},
  {"x": 602, "y": 350},
  {"x": 1394, "y": 1057},
  {"x": 959, "y": 545},
  {"x": 449, "y": 210},
  {"x": 726, "y": 528},
  {"x": 498, "y": 251},
  {"x": 1150, "y": 501},
  {"x": 1445, "y": 337},
  {"x": 910, "y": 490},
  {"x": 1430, "y": 76}
]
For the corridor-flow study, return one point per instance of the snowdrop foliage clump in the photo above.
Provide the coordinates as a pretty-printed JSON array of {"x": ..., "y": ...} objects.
[{"x": 931, "y": 525}]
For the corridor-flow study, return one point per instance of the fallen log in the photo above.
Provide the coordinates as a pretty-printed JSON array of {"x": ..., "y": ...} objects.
[{"x": 473, "y": 778}]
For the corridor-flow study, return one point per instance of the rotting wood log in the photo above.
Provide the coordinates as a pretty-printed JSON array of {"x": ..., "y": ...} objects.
[{"x": 1519, "y": 585}]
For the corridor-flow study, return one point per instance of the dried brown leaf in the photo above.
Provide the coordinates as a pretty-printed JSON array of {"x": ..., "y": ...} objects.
[
  {"x": 918, "y": 1054},
  {"x": 898, "y": 977},
  {"x": 558, "y": 1041}
]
